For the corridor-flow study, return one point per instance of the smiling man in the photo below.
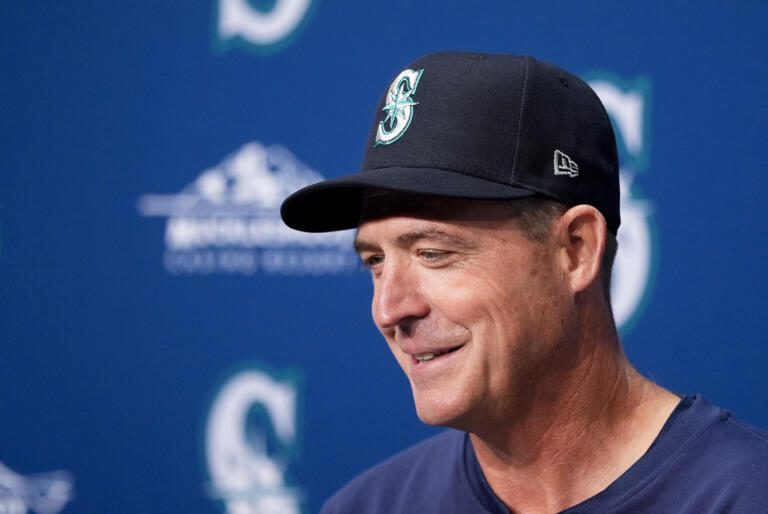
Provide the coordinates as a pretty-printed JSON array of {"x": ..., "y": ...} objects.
[{"x": 487, "y": 210}]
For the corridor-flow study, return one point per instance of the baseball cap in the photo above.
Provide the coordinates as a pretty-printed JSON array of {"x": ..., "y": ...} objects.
[{"x": 476, "y": 126}]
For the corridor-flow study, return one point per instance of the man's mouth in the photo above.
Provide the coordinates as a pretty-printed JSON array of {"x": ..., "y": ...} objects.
[{"x": 426, "y": 357}]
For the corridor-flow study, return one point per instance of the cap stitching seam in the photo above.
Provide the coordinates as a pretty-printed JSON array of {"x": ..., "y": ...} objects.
[{"x": 523, "y": 91}]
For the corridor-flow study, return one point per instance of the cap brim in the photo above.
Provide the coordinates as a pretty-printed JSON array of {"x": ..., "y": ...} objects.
[{"x": 336, "y": 204}]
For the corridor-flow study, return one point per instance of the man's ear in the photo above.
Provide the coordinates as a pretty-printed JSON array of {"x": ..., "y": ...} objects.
[{"x": 581, "y": 234}]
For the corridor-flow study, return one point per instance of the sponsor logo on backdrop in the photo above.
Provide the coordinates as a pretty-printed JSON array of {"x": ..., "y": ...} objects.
[
  {"x": 251, "y": 438},
  {"x": 227, "y": 221},
  {"x": 627, "y": 105},
  {"x": 41, "y": 493},
  {"x": 262, "y": 25}
]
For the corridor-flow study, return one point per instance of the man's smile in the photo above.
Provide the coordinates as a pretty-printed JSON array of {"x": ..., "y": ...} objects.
[{"x": 429, "y": 356}]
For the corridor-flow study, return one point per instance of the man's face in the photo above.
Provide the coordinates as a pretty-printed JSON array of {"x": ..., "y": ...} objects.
[{"x": 471, "y": 308}]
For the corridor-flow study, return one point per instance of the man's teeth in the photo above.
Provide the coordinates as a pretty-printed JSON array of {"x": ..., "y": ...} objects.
[{"x": 424, "y": 357}]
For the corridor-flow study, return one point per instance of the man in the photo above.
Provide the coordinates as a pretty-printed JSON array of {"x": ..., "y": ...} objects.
[{"x": 487, "y": 209}]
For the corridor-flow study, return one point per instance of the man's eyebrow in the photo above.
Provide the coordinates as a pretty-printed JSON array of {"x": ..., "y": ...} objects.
[
  {"x": 364, "y": 246},
  {"x": 408, "y": 238},
  {"x": 437, "y": 235}
]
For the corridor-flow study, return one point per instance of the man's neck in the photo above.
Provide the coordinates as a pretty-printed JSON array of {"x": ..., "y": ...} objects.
[{"x": 582, "y": 430}]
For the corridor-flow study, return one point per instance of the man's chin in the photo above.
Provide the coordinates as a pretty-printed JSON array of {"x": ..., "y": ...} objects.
[{"x": 440, "y": 414}]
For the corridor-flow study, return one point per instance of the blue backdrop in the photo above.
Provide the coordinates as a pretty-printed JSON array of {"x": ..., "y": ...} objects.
[{"x": 167, "y": 346}]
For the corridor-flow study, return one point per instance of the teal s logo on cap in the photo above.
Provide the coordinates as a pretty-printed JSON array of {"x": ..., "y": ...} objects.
[{"x": 399, "y": 107}]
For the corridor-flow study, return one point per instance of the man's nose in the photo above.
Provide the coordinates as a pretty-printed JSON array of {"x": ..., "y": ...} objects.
[{"x": 397, "y": 298}]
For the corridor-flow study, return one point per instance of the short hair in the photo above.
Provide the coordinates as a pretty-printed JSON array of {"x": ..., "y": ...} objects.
[{"x": 536, "y": 216}]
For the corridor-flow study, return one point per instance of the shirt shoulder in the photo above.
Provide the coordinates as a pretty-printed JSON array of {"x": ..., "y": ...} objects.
[
  {"x": 726, "y": 469},
  {"x": 703, "y": 461},
  {"x": 425, "y": 478},
  {"x": 724, "y": 449}
]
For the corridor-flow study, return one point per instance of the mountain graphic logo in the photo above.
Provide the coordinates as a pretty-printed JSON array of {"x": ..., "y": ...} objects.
[
  {"x": 41, "y": 493},
  {"x": 228, "y": 219}
]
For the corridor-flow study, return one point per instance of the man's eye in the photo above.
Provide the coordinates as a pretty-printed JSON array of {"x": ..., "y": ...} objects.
[
  {"x": 432, "y": 255},
  {"x": 373, "y": 260}
]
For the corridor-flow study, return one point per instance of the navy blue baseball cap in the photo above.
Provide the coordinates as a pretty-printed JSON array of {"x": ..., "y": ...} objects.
[{"x": 476, "y": 126}]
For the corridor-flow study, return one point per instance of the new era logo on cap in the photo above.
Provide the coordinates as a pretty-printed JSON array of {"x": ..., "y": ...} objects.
[{"x": 564, "y": 165}]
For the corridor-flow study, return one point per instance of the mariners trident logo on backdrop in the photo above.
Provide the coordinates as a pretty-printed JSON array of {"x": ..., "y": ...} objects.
[
  {"x": 250, "y": 439},
  {"x": 627, "y": 105},
  {"x": 399, "y": 107},
  {"x": 260, "y": 25},
  {"x": 228, "y": 220}
]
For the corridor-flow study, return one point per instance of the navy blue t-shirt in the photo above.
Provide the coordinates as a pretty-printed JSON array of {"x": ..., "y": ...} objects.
[{"x": 703, "y": 461}]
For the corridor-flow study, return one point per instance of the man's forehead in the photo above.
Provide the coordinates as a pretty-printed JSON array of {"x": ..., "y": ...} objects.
[{"x": 378, "y": 203}]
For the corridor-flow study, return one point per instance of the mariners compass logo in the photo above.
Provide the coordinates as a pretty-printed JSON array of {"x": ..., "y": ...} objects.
[
  {"x": 262, "y": 25},
  {"x": 251, "y": 439},
  {"x": 399, "y": 107},
  {"x": 627, "y": 103}
]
